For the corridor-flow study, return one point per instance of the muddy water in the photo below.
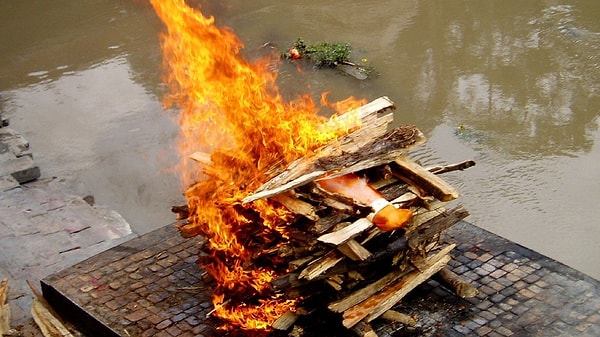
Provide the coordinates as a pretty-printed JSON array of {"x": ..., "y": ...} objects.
[{"x": 513, "y": 85}]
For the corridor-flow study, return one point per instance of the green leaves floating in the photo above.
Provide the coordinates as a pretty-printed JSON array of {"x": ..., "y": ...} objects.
[{"x": 326, "y": 54}]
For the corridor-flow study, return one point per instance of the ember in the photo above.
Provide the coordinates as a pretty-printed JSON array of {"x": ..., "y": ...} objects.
[{"x": 262, "y": 185}]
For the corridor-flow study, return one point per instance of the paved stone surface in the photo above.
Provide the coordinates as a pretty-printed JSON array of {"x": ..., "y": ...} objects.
[
  {"x": 521, "y": 293},
  {"x": 149, "y": 286},
  {"x": 43, "y": 228},
  {"x": 152, "y": 286}
]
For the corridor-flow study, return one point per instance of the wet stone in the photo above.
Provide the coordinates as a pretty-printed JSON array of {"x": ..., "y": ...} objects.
[
  {"x": 154, "y": 267},
  {"x": 137, "y": 315},
  {"x": 174, "y": 331},
  {"x": 136, "y": 276},
  {"x": 164, "y": 324}
]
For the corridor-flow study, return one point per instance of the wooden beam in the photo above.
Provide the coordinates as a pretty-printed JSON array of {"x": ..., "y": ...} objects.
[
  {"x": 295, "y": 205},
  {"x": 455, "y": 283},
  {"x": 414, "y": 174},
  {"x": 395, "y": 316},
  {"x": 321, "y": 265},
  {"x": 354, "y": 250},
  {"x": 349, "y": 232},
  {"x": 385, "y": 299},
  {"x": 5, "y": 313}
]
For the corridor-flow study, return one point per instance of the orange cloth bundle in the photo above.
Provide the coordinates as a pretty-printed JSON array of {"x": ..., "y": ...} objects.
[{"x": 387, "y": 217}]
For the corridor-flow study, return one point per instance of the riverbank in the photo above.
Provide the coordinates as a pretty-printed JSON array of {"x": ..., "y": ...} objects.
[{"x": 44, "y": 228}]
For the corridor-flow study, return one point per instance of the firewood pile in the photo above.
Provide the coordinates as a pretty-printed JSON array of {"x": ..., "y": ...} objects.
[{"x": 366, "y": 227}]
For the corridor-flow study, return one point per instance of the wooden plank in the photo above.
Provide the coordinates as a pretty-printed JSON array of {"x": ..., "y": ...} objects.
[
  {"x": 365, "y": 292},
  {"x": 48, "y": 323},
  {"x": 454, "y": 282},
  {"x": 285, "y": 321},
  {"x": 354, "y": 250},
  {"x": 349, "y": 232},
  {"x": 412, "y": 281},
  {"x": 5, "y": 313},
  {"x": 375, "y": 305},
  {"x": 295, "y": 205},
  {"x": 414, "y": 174},
  {"x": 395, "y": 316},
  {"x": 321, "y": 265}
]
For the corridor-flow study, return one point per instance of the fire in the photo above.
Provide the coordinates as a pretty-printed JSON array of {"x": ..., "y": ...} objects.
[{"x": 231, "y": 108}]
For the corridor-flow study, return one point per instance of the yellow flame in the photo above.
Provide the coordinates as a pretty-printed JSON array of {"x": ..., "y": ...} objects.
[{"x": 231, "y": 108}]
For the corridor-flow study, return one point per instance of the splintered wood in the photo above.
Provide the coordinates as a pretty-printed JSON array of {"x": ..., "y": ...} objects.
[{"x": 356, "y": 250}]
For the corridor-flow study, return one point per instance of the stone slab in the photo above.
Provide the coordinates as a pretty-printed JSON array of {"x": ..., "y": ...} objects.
[{"x": 44, "y": 229}]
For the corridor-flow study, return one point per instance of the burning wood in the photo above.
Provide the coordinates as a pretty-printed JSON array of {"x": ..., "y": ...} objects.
[
  {"x": 364, "y": 228},
  {"x": 342, "y": 216}
]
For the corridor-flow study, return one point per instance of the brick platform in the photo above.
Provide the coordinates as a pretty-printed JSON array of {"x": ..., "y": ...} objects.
[{"x": 152, "y": 286}]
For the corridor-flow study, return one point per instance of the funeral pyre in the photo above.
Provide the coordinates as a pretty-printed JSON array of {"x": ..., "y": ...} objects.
[{"x": 295, "y": 206}]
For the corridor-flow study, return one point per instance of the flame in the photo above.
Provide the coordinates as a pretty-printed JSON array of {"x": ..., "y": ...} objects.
[{"x": 231, "y": 108}]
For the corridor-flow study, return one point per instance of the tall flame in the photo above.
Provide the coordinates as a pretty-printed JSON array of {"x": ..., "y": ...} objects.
[{"x": 232, "y": 109}]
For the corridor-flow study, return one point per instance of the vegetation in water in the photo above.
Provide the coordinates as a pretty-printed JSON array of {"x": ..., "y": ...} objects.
[{"x": 325, "y": 54}]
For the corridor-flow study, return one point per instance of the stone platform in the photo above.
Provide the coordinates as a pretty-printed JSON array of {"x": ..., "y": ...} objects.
[
  {"x": 43, "y": 227},
  {"x": 153, "y": 286}
]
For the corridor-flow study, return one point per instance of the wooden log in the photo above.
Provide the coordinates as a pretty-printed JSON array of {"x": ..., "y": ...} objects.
[
  {"x": 410, "y": 282},
  {"x": 347, "y": 233},
  {"x": 435, "y": 225},
  {"x": 335, "y": 282},
  {"x": 325, "y": 223},
  {"x": 414, "y": 174},
  {"x": 455, "y": 283},
  {"x": 47, "y": 322},
  {"x": 365, "y": 292},
  {"x": 395, "y": 316},
  {"x": 295, "y": 205},
  {"x": 5, "y": 313},
  {"x": 297, "y": 263},
  {"x": 392, "y": 188},
  {"x": 380, "y": 105},
  {"x": 452, "y": 167},
  {"x": 285, "y": 321},
  {"x": 354, "y": 250},
  {"x": 299, "y": 171},
  {"x": 321, "y": 265},
  {"x": 364, "y": 329},
  {"x": 377, "y": 304}
]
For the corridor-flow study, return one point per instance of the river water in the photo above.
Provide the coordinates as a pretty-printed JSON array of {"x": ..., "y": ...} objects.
[{"x": 514, "y": 85}]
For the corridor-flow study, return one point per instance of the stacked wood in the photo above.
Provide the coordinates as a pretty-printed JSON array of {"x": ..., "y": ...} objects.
[
  {"x": 5, "y": 313},
  {"x": 336, "y": 254},
  {"x": 45, "y": 317}
]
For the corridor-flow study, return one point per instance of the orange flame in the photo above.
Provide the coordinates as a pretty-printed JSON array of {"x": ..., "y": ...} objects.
[{"x": 232, "y": 109}]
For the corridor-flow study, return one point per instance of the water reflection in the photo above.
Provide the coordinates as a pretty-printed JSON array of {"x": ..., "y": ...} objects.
[
  {"x": 42, "y": 40},
  {"x": 518, "y": 79}
]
